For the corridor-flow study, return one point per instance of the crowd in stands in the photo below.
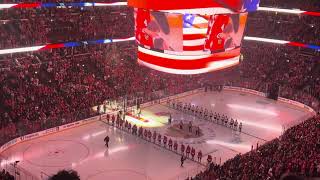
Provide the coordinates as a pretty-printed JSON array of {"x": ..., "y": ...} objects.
[
  {"x": 286, "y": 66},
  {"x": 289, "y": 27},
  {"x": 4, "y": 175},
  {"x": 31, "y": 27},
  {"x": 295, "y": 152},
  {"x": 311, "y": 5}
]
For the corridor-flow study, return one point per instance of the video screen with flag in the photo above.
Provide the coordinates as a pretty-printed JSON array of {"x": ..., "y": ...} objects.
[
  {"x": 190, "y": 37},
  {"x": 189, "y": 34},
  {"x": 235, "y": 6}
]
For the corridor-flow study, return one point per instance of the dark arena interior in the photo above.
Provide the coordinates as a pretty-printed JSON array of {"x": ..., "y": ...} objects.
[{"x": 160, "y": 90}]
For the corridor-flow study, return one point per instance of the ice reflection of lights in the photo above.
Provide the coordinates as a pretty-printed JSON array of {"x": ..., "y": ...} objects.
[
  {"x": 230, "y": 145},
  {"x": 98, "y": 133},
  {"x": 87, "y": 137},
  {"x": 276, "y": 128},
  {"x": 150, "y": 123},
  {"x": 253, "y": 109},
  {"x": 112, "y": 151},
  {"x": 101, "y": 155}
]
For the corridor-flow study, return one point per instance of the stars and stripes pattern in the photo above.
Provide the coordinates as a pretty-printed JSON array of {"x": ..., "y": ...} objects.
[{"x": 195, "y": 28}]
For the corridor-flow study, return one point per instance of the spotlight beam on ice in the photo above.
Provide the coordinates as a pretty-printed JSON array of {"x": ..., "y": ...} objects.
[
  {"x": 106, "y": 41},
  {"x": 252, "y": 109}
]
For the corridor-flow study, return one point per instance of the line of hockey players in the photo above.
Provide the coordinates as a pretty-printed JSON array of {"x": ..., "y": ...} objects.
[
  {"x": 205, "y": 114},
  {"x": 154, "y": 137}
]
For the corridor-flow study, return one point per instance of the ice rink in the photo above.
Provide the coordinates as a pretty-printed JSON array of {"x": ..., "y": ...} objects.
[{"x": 130, "y": 157}]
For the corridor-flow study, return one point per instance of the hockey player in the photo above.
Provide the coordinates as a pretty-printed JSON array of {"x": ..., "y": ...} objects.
[
  {"x": 140, "y": 131},
  {"x": 185, "y": 107},
  {"x": 159, "y": 138},
  {"x": 193, "y": 153},
  {"x": 106, "y": 140},
  {"x": 183, "y": 158},
  {"x": 199, "y": 156},
  {"x": 113, "y": 119},
  {"x": 129, "y": 127},
  {"x": 211, "y": 115},
  {"x": 231, "y": 123},
  {"x": 165, "y": 139},
  {"x": 188, "y": 150},
  {"x": 181, "y": 125},
  {"x": 190, "y": 126},
  {"x": 236, "y": 125},
  {"x": 108, "y": 118},
  {"x": 175, "y": 146},
  {"x": 134, "y": 130},
  {"x": 149, "y": 135},
  {"x": 196, "y": 111},
  {"x": 198, "y": 131},
  {"x": 145, "y": 133},
  {"x": 201, "y": 112},
  {"x": 192, "y": 109},
  {"x": 226, "y": 121},
  {"x": 121, "y": 123},
  {"x": 170, "y": 144},
  {"x": 209, "y": 159},
  {"x": 173, "y": 104},
  {"x": 216, "y": 117},
  {"x": 182, "y": 149},
  {"x": 205, "y": 114},
  {"x": 118, "y": 122},
  {"x": 240, "y": 127},
  {"x": 154, "y": 136}
]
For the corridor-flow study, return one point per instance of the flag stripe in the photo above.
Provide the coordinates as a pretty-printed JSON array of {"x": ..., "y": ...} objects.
[
  {"x": 193, "y": 36},
  {"x": 194, "y": 31},
  {"x": 172, "y": 56},
  {"x": 195, "y": 42},
  {"x": 193, "y": 48},
  {"x": 213, "y": 66},
  {"x": 180, "y": 64},
  {"x": 195, "y": 28}
]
